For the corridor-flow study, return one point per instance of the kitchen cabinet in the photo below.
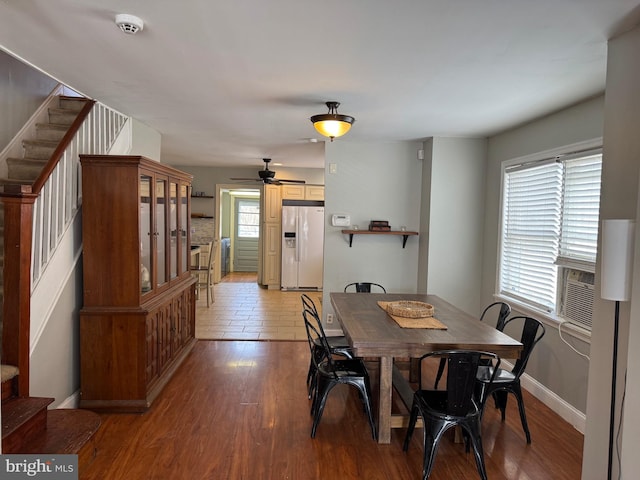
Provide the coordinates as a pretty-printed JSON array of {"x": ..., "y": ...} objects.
[
  {"x": 314, "y": 192},
  {"x": 302, "y": 192},
  {"x": 269, "y": 246},
  {"x": 292, "y": 192},
  {"x": 137, "y": 323}
]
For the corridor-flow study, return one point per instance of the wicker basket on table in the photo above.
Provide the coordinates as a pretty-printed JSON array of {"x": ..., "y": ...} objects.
[{"x": 410, "y": 309}]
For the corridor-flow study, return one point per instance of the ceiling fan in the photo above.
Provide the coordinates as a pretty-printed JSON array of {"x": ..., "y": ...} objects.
[{"x": 269, "y": 176}]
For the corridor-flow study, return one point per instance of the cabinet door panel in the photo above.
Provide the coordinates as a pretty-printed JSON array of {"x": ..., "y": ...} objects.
[
  {"x": 160, "y": 233},
  {"x": 151, "y": 340},
  {"x": 164, "y": 336},
  {"x": 146, "y": 234},
  {"x": 271, "y": 245},
  {"x": 293, "y": 192},
  {"x": 174, "y": 236},
  {"x": 184, "y": 227}
]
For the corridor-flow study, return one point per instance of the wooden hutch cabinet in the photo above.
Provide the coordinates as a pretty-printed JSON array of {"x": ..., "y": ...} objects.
[{"x": 137, "y": 323}]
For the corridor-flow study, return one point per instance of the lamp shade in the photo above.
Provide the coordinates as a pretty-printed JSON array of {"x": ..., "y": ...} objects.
[
  {"x": 332, "y": 124},
  {"x": 617, "y": 259}
]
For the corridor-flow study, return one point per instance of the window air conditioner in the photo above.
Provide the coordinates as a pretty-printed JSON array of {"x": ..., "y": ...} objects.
[{"x": 578, "y": 298}]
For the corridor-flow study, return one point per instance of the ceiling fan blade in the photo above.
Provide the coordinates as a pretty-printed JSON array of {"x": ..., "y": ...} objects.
[{"x": 247, "y": 179}]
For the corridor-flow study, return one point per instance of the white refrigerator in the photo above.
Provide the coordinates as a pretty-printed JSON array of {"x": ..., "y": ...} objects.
[{"x": 302, "y": 245}]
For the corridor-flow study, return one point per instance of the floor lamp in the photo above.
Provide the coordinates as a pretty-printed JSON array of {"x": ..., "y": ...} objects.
[{"x": 615, "y": 284}]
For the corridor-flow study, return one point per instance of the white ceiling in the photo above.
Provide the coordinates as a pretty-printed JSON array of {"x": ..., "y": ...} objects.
[{"x": 227, "y": 83}]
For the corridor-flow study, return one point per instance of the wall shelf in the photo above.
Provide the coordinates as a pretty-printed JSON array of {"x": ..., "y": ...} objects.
[
  {"x": 202, "y": 196},
  {"x": 404, "y": 234}
]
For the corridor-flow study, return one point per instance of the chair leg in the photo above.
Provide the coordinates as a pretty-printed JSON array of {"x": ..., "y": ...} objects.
[
  {"x": 500, "y": 397},
  {"x": 209, "y": 290},
  {"x": 413, "y": 418},
  {"x": 324, "y": 387},
  {"x": 433, "y": 431},
  {"x": 364, "y": 389},
  {"x": 473, "y": 432},
  {"x": 517, "y": 391},
  {"x": 443, "y": 362}
]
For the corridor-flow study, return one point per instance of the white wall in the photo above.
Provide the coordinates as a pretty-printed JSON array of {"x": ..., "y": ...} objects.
[
  {"x": 373, "y": 181},
  {"x": 619, "y": 199},
  {"x": 453, "y": 213}
]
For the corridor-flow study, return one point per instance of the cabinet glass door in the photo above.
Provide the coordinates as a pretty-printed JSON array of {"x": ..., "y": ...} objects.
[
  {"x": 146, "y": 266},
  {"x": 173, "y": 228},
  {"x": 161, "y": 232},
  {"x": 184, "y": 227}
]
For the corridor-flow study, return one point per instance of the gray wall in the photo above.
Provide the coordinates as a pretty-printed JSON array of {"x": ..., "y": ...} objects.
[
  {"x": 453, "y": 213},
  {"x": 619, "y": 199},
  {"x": 55, "y": 361},
  {"x": 553, "y": 363},
  {"x": 373, "y": 181},
  {"x": 145, "y": 141},
  {"x": 22, "y": 91}
]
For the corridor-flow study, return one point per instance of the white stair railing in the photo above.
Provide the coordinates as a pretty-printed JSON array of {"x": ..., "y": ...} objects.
[{"x": 61, "y": 195}]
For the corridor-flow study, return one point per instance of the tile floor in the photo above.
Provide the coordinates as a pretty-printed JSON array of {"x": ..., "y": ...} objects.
[{"x": 245, "y": 311}]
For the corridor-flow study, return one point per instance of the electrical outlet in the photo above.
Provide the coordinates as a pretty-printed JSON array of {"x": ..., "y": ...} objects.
[{"x": 329, "y": 318}]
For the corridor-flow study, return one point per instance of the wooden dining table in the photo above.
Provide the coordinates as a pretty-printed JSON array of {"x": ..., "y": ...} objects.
[{"x": 372, "y": 333}]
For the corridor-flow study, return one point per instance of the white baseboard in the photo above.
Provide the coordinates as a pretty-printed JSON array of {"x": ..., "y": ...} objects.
[
  {"x": 331, "y": 331},
  {"x": 71, "y": 402},
  {"x": 565, "y": 410}
]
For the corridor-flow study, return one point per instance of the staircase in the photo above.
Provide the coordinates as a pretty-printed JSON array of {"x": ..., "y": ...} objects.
[{"x": 27, "y": 424}]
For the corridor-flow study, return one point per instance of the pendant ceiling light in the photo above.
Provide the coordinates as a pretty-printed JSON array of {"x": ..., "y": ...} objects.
[{"x": 332, "y": 124}]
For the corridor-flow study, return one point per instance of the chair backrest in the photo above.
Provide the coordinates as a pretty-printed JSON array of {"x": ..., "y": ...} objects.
[
  {"x": 532, "y": 331},
  {"x": 212, "y": 255},
  {"x": 309, "y": 305},
  {"x": 364, "y": 287},
  {"x": 317, "y": 339},
  {"x": 462, "y": 369},
  {"x": 503, "y": 313}
]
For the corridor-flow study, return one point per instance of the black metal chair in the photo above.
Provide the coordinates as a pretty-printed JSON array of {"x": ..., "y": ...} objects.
[
  {"x": 364, "y": 287},
  {"x": 455, "y": 406},
  {"x": 505, "y": 382},
  {"x": 503, "y": 313},
  {"x": 330, "y": 372},
  {"x": 338, "y": 345}
]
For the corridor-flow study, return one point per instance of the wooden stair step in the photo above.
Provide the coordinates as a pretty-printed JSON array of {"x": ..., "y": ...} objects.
[
  {"x": 69, "y": 431},
  {"x": 22, "y": 420}
]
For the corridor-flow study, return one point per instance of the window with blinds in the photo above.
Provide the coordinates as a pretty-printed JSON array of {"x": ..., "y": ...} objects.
[{"x": 549, "y": 220}]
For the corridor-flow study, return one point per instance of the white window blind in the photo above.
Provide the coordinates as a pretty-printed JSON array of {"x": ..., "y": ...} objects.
[
  {"x": 530, "y": 233},
  {"x": 248, "y": 218},
  {"x": 580, "y": 213},
  {"x": 550, "y": 220}
]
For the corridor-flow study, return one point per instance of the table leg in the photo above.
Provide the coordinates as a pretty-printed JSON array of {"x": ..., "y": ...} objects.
[{"x": 384, "y": 406}]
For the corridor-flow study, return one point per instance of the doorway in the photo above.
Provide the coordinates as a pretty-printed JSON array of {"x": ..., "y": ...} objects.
[
  {"x": 246, "y": 234},
  {"x": 237, "y": 228}
]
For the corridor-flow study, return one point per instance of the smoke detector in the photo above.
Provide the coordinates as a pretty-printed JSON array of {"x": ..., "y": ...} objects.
[{"x": 129, "y": 24}]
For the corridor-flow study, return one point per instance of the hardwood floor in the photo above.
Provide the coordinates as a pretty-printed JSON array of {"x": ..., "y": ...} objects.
[{"x": 238, "y": 410}]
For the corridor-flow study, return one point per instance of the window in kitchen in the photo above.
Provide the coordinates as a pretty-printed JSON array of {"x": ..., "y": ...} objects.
[
  {"x": 549, "y": 234},
  {"x": 248, "y": 218}
]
